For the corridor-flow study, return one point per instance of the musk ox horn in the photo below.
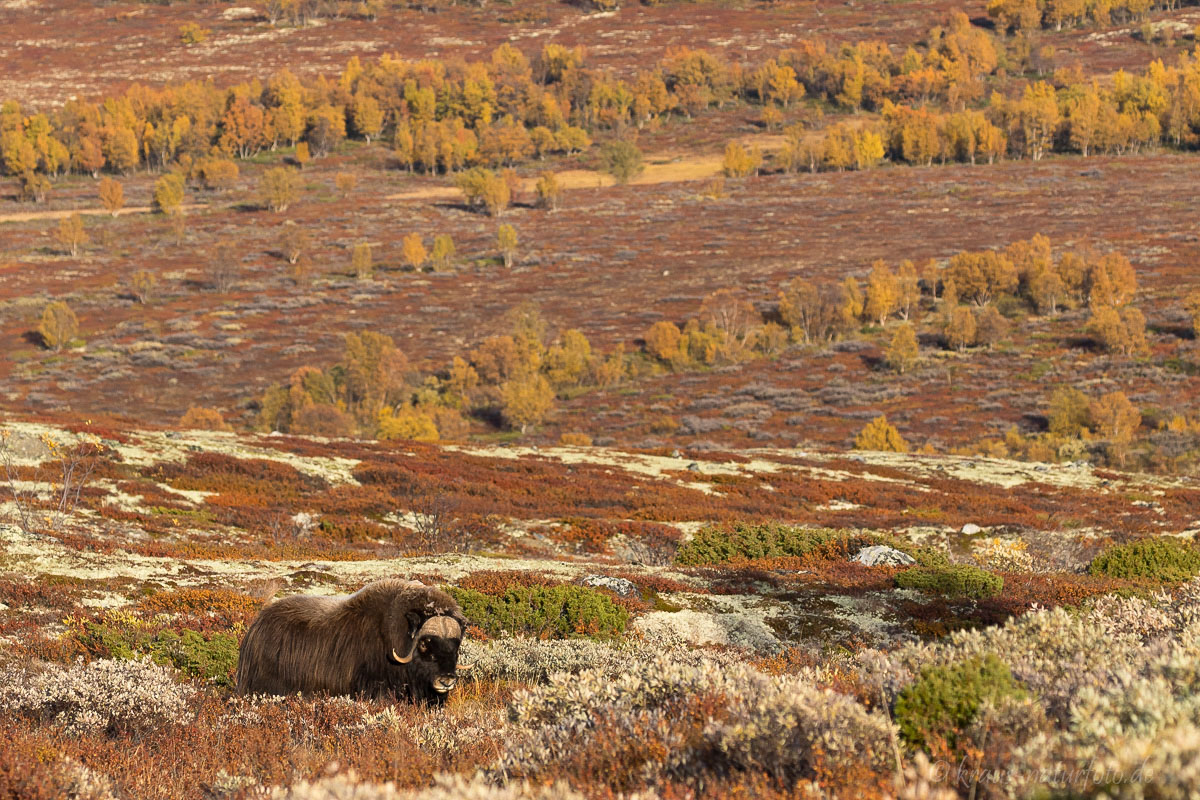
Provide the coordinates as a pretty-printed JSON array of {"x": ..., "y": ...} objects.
[
  {"x": 443, "y": 626},
  {"x": 466, "y": 667}
]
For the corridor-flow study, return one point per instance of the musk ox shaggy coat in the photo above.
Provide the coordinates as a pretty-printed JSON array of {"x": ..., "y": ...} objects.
[{"x": 391, "y": 638}]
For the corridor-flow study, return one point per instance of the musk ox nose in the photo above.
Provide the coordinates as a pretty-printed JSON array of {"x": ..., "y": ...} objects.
[{"x": 444, "y": 684}]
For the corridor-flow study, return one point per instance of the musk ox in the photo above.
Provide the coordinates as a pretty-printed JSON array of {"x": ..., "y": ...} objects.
[{"x": 391, "y": 638}]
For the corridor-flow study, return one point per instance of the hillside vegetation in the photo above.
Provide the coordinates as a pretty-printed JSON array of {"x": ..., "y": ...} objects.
[{"x": 799, "y": 398}]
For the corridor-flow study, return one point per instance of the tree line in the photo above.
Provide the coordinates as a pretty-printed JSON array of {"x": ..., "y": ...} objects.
[{"x": 933, "y": 101}]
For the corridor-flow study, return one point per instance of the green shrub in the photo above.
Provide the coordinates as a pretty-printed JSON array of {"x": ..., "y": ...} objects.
[
  {"x": 959, "y": 580},
  {"x": 1163, "y": 559},
  {"x": 944, "y": 700},
  {"x": 189, "y": 652},
  {"x": 543, "y": 611},
  {"x": 741, "y": 540},
  {"x": 212, "y": 658},
  {"x": 623, "y": 160},
  {"x": 112, "y": 639}
]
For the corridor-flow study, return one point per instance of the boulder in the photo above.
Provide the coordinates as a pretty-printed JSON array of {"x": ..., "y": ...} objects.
[
  {"x": 971, "y": 528},
  {"x": 879, "y": 555},
  {"x": 618, "y": 586}
]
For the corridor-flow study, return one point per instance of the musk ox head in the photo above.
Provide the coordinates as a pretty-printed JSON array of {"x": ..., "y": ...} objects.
[{"x": 424, "y": 649}]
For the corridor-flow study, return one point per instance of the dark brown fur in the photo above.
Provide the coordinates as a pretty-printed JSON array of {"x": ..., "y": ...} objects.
[{"x": 343, "y": 645}]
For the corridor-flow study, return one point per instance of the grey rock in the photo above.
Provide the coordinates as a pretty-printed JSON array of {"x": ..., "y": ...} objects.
[
  {"x": 619, "y": 586},
  {"x": 878, "y": 555},
  {"x": 971, "y": 528}
]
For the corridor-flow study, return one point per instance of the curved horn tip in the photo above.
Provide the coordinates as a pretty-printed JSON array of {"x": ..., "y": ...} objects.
[
  {"x": 400, "y": 660},
  {"x": 466, "y": 667}
]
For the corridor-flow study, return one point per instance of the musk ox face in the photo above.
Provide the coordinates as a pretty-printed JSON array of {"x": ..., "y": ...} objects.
[{"x": 426, "y": 660}]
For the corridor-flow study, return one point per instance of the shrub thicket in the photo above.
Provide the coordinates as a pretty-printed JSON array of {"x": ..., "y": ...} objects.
[
  {"x": 959, "y": 580},
  {"x": 543, "y": 611},
  {"x": 212, "y": 659},
  {"x": 102, "y": 696},
  {"x": 945, "y": 699},
  {"x": 211, "y": 656},
  {"x": 1163, "y": 559},
  {"x": 720, "y": 544}
]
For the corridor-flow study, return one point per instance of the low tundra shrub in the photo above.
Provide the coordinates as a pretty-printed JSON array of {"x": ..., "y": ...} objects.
[
  {"x": 213, "y": 658},
  {"x": 533, "y": 661},
  {"x": 543, "y": 611},
  {"x": 945, "y": 699},
  {"x": 1112, "y": 690},
  {"x": 446, "y": 787},
  {"x": 959, "y": 580},
  {"x": 718, "y": 544},
  {"x": 702, "y": 724},
  {"x": 205, "y": 655},
  {"x": 1161, "y": 559},
  {"x": 106, "y": 695}
]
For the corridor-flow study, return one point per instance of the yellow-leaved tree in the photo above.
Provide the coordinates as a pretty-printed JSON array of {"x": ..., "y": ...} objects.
[
  {"x": 58, "y": 325},
  {"x": 1070, "y": 412},
  {"x": 279, "y": 187},
  {"x": 902, "y": 352},
  {"x": 960, "y": 328},
  {"x": 413, "y": 251},
  {"x": 361, "y": 261},
  {"x": 71, "y": 234},
  {"x": 204, "y": 419},
  {"x": 506, "y": 243},
  {"x": 568, "y": 360},
  {"x": 407, "y": 422},
  {"x": 879, "y": 434},
  {"x": 1115, "y": 418},
  {"x": 883, "y": 293},
  {"x": 443, "y": 253},
  {"x": 112, "y": 196},
  {"x": 168, "y": 194},
  {"x": 525, "y": 400},
  {"x": 549, "y": 190}
]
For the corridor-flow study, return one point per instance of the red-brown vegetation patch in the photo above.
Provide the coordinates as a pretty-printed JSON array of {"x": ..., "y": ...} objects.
[
  {"x": 20, "y": 594},
  {"x": 276, "y": 743},
  {"x": 216, "y": 472},
  {"x": 202, "y": 609},
  {"x": 594, "y": 535},
  {"x": 153, "y": 494},
  {"x": 31, "y": 604},
  {"x": 497, "y": 582},
  {"x": 1024, "y": 590},
  {"x": 934, "y": 617}
]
